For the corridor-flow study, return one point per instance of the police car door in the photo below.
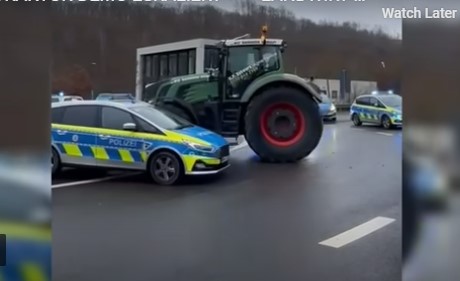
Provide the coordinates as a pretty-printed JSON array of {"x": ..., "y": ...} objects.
[
  {"x": 362, "y": 108},
  {"x": 374, "y": 110},
  {"x": 72, "y": 133},
  {"x": 117, "y": 145}
]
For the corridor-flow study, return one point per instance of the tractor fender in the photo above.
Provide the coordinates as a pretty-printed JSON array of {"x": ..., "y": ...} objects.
[
  {"x": 183, "y": 106},
  {"x": 284, "y": 78}
]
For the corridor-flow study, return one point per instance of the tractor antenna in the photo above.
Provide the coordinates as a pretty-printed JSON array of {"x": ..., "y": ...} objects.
[{"x": 242, "y": 36}]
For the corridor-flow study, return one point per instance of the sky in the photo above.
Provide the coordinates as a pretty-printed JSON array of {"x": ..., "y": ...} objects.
[{"x": 367, "y": 13}]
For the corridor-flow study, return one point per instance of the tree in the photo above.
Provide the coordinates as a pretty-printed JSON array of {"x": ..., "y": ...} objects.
[
  {"x": 109, "y": 34},
  {"x": 73, "y": 80}
]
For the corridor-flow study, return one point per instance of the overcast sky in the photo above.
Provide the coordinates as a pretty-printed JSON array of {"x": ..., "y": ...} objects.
[{"x": 367, "y": 13}]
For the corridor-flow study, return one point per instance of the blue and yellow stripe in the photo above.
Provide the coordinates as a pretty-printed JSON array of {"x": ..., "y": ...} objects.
[{"x": 102, "y": 153}]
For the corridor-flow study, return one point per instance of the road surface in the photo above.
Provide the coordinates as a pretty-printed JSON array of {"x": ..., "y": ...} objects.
[{"x": 333, "y": 216}]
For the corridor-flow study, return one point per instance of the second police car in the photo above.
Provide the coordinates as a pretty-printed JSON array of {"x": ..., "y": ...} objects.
[
  {"x": 136, "y": 136},
  {"x": 382, "y": 108}
]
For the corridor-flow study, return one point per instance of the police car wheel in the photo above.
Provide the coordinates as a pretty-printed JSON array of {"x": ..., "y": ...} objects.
[
  {"x": 55, "y": 162},
  {"x": 165, "y": 168},
  {"x": 386, "y": 122},
  {"x": 356, "y": 120}
]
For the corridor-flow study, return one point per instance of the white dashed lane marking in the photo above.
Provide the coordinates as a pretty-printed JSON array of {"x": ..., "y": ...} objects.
[
  {"x": 67, "y": 184},
  {"x": 385, "y": 134},
  {"x": 243, "y": 144},
  {"x": 357, "y": 232}
]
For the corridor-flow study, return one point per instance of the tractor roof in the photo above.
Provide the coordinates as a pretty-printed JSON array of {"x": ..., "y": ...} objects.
[{"x": 252, "y": 42}]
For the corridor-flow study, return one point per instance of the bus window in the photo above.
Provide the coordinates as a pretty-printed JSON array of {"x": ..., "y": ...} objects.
[
  {"x": 183, "y": 64},
  {"x": 191, "y": 62}
]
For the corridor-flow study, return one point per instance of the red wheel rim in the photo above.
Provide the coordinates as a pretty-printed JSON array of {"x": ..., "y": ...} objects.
[{"x": 297, "y": 124}]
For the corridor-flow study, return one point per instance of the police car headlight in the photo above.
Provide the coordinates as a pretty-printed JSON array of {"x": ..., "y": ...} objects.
[
  {"x": 332, "y": 108},
  {"x": 200, "y": 147}
]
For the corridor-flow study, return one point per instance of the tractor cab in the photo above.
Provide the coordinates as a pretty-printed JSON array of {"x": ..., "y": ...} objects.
[
  {"x": 243, "y": 60},
  {"x": 213, "y": 98}
]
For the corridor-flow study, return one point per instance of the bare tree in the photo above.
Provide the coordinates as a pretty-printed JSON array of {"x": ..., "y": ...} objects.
[{"x": 108, "y": 34}]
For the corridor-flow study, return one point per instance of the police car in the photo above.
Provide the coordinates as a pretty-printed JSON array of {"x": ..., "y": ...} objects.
[
  {"x": 25, "y": 223},
  {"x": 383, "y": 108},
  {"x": 61, "y": 98},
  {"x": 136, "y": 136}
]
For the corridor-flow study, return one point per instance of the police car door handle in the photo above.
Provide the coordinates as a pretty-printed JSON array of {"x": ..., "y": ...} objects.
[
  {"x": 104, "y": 137},
  {"x": 60, "y": 132}
]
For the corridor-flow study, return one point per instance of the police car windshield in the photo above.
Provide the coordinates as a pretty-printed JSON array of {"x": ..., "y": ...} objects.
[
  {"x": 325, "y": 98},
  {"x": 162, "y": 118},
  {"x": 392, "y": 100}
]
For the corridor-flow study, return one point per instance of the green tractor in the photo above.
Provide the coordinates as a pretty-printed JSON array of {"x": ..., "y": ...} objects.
[{"x": 248, "y": 93}]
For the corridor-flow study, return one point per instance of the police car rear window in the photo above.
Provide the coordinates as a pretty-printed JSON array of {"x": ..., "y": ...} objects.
[
  {"x": 83, "y": 115},
  {"x": 56, "y": 115}
]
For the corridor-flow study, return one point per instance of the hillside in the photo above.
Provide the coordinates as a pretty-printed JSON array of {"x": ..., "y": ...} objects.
[{"x": 94, "y": 44}]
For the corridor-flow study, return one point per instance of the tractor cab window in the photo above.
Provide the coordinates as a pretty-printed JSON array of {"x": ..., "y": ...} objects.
[
  {"x": 247, "y": 63},
  {"x": 241, "y": 58}
]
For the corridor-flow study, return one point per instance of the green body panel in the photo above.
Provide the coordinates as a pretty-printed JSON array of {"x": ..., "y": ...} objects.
[
  {"x": 193, "y": 88},
  {"x": 275, "y": 77},
  {"x": 199, "y": 88},
  {"x": 242, "y": 83}
]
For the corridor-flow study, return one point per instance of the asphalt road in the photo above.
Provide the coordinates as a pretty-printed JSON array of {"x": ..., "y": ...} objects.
[{"x": 254, "y": 222}]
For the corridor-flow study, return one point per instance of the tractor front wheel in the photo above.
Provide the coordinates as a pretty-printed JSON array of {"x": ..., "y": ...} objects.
[{"x": 283, "y": 125}]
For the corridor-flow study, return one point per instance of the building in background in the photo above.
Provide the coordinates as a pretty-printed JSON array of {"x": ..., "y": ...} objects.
[
  {"x": 332, "y": 88},
  {"x": 159, "y": 62}
]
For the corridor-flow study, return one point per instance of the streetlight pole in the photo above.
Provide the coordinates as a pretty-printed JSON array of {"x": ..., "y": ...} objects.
[
  {"x": 93, "y": 65},
  {"x": 383, "y": 75}
]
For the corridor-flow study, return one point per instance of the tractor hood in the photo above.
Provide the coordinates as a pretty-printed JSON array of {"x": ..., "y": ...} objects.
[
  {"x": 202, "y": 134},
  {"x": 158, "y": 89},
  {"x": 190, "y": 78}
]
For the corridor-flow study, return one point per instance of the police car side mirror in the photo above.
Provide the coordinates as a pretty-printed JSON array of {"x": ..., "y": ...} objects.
[{"x": 129, "y": 127}]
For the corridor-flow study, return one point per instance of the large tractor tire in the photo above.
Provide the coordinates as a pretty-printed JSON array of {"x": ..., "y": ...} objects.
[{"x": 283, "y": 125}]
